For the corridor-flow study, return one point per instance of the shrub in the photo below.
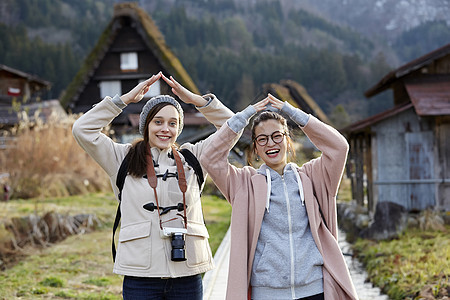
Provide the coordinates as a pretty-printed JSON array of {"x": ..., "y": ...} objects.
[
  {"x": 98, "y": 281},
  {"x": 410, "y": 267},
  {"x": 52, "y": 282}
]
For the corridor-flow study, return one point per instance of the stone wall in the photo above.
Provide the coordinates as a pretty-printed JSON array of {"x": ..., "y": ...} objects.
[{"x": 388, "y": 221}]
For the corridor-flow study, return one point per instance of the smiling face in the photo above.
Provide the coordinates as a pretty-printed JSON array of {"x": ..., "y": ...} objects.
[
  {"x": 163, "y": 127},
  {"x": 273, "y": 154}
]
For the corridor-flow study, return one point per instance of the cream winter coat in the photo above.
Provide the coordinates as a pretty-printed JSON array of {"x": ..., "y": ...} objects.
[
  {"x": 142, "y": 251},
  {"x": 246, "y": 190}
]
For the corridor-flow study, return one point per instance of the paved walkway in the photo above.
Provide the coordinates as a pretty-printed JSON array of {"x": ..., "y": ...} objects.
[{"x": 215, "y": 281}]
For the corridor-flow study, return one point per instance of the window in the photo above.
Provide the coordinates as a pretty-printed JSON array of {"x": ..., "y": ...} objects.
[
  {"x": 154, "y": 90},
  {"x": 110, "y": 88},
  {"x": 129, "y": 61}
]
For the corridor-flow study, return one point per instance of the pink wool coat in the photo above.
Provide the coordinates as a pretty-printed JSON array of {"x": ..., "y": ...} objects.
[{"x": 246, "y": 190}]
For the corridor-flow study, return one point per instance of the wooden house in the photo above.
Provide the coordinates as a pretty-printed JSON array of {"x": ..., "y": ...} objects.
[
  {"x": 23, "y": 96},
  {"x": 20, "y": 92},
  {"x": 403, "y": 155},
  {"x": 24, "y": 87},
  {"x": 130, "y": 50}
]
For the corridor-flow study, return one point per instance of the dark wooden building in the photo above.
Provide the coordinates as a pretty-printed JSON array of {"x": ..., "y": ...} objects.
[
  {"x": 130, "y": 50},
  {"x": 24, "y": 87},
  {"x": 23, "y": 96},
  {"x": 403, "y": 155},
  {"x": 20, "y": 92}
]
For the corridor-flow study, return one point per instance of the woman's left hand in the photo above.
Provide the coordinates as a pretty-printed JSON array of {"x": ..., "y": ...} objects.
[
  {"x": 275, "y": 102},
  {"x": 183, "y": 93}
]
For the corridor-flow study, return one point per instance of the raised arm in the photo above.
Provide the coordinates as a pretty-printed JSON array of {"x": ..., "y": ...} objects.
[
  {"x": 214, "y": 158},
  {"x": 87, "y": 132},
  {"x": 334, "y": 147},
  {"x": 329, "y": 141},
  {"x": 87, "y": 129}
]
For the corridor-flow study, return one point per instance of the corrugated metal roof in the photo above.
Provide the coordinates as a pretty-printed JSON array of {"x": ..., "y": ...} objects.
[
  {"x": 406, "y": 69},
  {"x": 429, "y": 95},
  {"x": 430, "y": 98},
  {"x": 364, "y": 124}
]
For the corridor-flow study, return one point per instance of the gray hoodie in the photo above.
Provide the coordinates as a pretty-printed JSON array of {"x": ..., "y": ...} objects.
[{"x": 287, "y": 263}]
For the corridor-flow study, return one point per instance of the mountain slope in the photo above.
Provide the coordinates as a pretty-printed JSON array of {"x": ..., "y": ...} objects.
[{"x": 335, "y": 48}]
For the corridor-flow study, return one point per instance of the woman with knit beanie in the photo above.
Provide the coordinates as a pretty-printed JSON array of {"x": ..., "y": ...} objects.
[
  {"x": 283, "y": 224},
  {"x": 163, "y": 241}
]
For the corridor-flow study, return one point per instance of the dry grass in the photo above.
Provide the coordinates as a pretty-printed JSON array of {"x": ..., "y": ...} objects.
[{"x": 44, "y": 160}]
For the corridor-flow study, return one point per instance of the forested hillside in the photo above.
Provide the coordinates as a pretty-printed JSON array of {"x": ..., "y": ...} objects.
[
  {"x": 228, "y": 47},
  {"x": 50, "y": 38}
]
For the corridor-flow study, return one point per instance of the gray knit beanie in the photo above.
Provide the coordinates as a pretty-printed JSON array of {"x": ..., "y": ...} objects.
[{"x": 156, "y": 100}]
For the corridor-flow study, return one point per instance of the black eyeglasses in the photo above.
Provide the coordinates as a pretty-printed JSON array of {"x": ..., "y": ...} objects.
[{"x": 263, "y": 139}]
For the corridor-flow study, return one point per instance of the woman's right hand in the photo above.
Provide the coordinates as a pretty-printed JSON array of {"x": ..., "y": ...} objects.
[
  {"x": 138, "y": 92},
  {"x": 261, "y": 105}
]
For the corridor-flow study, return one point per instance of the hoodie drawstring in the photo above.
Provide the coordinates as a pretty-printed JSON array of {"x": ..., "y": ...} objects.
[
  {"x": 299, "y": 181},
  {"x": 269, "y": 185},
  {"x": 269, "y": 188}
]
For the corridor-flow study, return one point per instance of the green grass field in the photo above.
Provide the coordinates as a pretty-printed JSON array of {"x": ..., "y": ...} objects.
[{"x": 80, "y": 267}]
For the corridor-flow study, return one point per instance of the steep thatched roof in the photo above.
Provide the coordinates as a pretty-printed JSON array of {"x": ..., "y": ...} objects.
[
  {"x": 294, "y": 93},
  {"x": 152, "y": 38}
]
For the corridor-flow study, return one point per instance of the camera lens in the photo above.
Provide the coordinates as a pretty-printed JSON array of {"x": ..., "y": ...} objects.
[{"x": 178, "y": 252}]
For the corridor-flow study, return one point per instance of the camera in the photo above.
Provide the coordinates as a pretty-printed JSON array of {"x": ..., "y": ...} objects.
[{"x": 176, "y": 235}]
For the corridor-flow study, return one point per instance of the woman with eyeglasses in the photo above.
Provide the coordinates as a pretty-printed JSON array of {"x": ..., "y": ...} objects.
[{"x": 283, "y": 224}]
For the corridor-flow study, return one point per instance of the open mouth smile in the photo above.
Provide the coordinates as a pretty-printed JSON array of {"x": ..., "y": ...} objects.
[
  {"x": 163, "y": 137},
  {"x": 272, "y": 152}
]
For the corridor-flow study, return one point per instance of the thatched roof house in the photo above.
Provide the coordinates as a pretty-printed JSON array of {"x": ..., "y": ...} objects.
[{"x": 130, "y": 50}]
